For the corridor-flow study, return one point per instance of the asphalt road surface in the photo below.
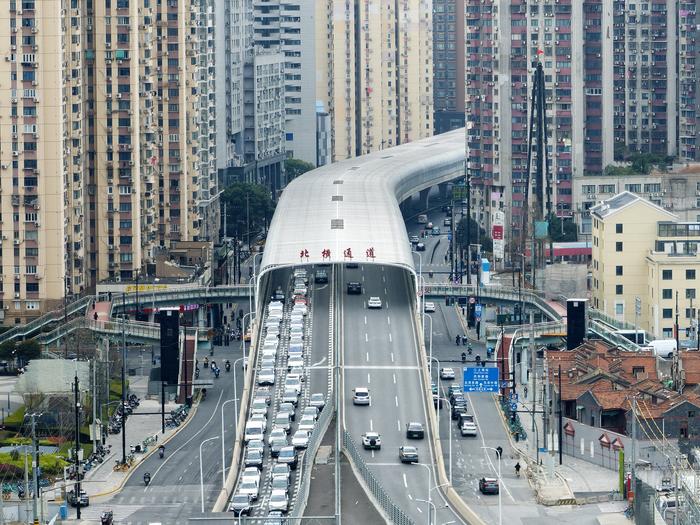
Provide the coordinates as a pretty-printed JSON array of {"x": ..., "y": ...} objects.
[{"x": 380, "y": 352}]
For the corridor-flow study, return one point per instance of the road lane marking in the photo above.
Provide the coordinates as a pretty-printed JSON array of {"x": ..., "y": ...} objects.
[
  {"x": 367, "y": 357},
  {"x": 381, "y": 367},
  {"x": 368, "y": 379},
  {"x": 373, "y": 453},
  {"x": 398, "y": 424},
  {"x": 385, "y": 291},
  {"x": 365, "y": 319},
  {"x": 172, "y": 454},
  {"x": 405, "y": 483},
  {"x": 396, "y": 400},
  {"x": 487, "y": 452},
  {"x": 317, "y": 363},
  {"x": 390, "y": 338},
  {"x": 418, "y": 508},
  {"x": 392, "y": 358},
  {"x": 371, "y": 425},
  {"x": 388, "y": 319},
  {"x": 394, "y": 376},
  {"x": 366, "y": 338}
]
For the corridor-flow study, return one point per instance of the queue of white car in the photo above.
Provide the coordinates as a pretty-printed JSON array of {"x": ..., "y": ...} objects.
[{"x": 281, "y": 362}]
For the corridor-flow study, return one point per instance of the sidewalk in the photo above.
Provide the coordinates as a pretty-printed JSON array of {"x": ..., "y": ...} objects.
[{"x": 103, "y": 480}]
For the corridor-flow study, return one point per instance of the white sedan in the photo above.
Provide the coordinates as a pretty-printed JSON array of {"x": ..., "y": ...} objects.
[
  {"x": 447, "y": 373},
  {"x": 429, "y": 307},
  {"x": 300, "y": 439},
  {"x": 374, "y": 302}
]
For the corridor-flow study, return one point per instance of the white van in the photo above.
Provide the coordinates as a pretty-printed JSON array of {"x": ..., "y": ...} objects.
[
  {"x": 254, "y": 430},
  {"x": 663, "y": 347}
]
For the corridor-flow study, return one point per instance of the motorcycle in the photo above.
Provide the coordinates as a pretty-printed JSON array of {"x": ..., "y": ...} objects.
[
  {"x": 464, "y": 357},
  {"x": 228, "y": 366},
  {"x": 196, "y": 373},
  {"x": 206, "y": 362},
  {"x": 107, "y": 518},
  {"x": 161, "y": 451},
  {"x": 216, "y": 373},
  {"x": 147, "y": 478}
]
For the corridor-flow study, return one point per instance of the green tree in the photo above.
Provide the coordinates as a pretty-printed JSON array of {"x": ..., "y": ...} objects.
[
  {"x": 28, "y": 350},
  {"x": 7, "y": 349},
  {"x": 248, "y": 208},
  {"x": 296, "y": 167},
  {"x": 485, "y": 240},
  {"x": 561, "y": 230}
]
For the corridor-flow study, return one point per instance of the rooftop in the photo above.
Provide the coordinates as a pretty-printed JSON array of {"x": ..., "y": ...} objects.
[{"x": 621, "y": 201}]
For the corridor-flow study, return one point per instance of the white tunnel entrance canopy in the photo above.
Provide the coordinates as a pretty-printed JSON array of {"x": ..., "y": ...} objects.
[{"x": 354, "y": 205}]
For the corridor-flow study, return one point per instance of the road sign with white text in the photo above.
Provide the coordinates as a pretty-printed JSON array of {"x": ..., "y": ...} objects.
[{"x": 481, "y": 379}]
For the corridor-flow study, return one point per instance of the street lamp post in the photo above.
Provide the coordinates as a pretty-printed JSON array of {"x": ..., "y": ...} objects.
[
  {"x": 201, "y": 474},
  {"x": 235, "y": 391},
  {"x": 420, "y": 280},
  {"x": 223, "y": 447},
  {"x": 430, "y": 483},
  {"x": 500, "y": 508},
  {"x": 250, "y": 295},
  {"x": 449, "y": 405},
  {"x": 431, "y": 509},
  {"x": 243, "y": 331},
  {"x": 430, "y": 341}
]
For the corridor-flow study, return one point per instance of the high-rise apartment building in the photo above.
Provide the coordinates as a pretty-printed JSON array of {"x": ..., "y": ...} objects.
[
  {"x": 107, "y": 141},
  {"x": 374, "y": 72},
  {"x": 250, "y": 135},
  {"x": 448, "y": 64},
  {"x": 620, "y": 78}
]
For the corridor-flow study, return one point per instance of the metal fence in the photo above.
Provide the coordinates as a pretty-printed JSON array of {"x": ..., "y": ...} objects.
[
  {"x": 308, "y": 462},
  {"x": 396, "y": 515}
]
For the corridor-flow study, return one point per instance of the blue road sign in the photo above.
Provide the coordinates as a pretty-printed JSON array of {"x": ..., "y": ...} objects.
[
  {"x": 481, "y": 379},
  {"x": 477, "y": 311},
  {"x": 449, "y": 236},
  {"x": 514, "y": 406},
  {"x": 514, "y": 396}
]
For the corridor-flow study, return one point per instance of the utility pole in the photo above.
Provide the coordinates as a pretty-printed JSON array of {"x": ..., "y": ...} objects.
[
  {"x": 547, "y": 405},
  {"x": 533, "y": 367},
  {"x": 65, "y": 315},
  {"x": 469, "y": 224},
  {"x": 634, "y": 444},
  {"x": 674, "y": 367},
  {"x": 94, "y": 405},
  {"x": 123, "y": 379},
  {"x": 76, "y": 397},
  {"x": 35, "y": 465},
  {"x": 561, "y": 418}
]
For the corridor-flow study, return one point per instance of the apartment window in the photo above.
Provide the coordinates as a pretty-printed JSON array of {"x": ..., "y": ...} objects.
[
  {"x": 667, "y": 313},
  {"x": 667, "y": 333},
  {"x": 690, "y": 313},
  {"x": 30, "y": 269},
  {"x": 618, "y": 270},
  {"x": 618, "y": 246},
  {"x": 690, "y": 274},
  {"x": 619, "y": 308},
  {"x": 125, "y": 239},
  {"x": 618, "y": 228},
  {"x": 125, "y": 257},
  {"x": 690, "y": 293},
  {"x": 32, "y": 287},
  {"x": 618, "y": 289},
  {"x": 667, "y": 293},
  {"x": 667, "y": 275},
  {"x": 32, "y": 305}
]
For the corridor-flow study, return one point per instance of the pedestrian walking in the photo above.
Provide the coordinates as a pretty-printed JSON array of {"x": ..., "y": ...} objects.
[
  {"x": 499, "y": 452},
  {"x": 95, "y": 316},
  {"x": 109, "y": 296}
]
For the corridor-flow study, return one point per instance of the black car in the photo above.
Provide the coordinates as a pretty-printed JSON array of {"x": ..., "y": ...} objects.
[
  {"x": 354, "y": 288},
  {"x": 457, "y": 411},
  {"x": 408, "y": 454},
  {"x": 488, "y": 486},
  {"x": 420, "y": 247},
  {"x": 73, "y": 501},
  {"x": 321, "y": 277},
  {"x": 415, "y": 430}
]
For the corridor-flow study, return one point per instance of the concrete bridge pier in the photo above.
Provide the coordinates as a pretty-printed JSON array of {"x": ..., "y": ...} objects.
[
  {"x": 442, "y": 188},
  {"x": 423, "y": 199}
]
